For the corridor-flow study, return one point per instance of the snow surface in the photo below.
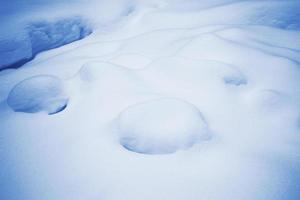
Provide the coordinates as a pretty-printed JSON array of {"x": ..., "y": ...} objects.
[
  {"x": 39, "y": 93},
  {"x": 17, "y": 49},
  {"x": 149, "y": 127},
  {"x": 150, "y": 99}
]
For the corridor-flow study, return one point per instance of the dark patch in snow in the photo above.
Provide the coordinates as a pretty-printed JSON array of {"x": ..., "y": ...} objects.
[
  {"x": 38, "y": 37},
  {"x": 17, "y": 64},
  {"x": 60, "y": 107}
]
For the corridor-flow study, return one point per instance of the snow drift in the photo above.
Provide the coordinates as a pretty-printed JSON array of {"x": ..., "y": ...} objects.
[
  {"x": 150, "y": 127},
  {"x": 16, "y": 50},
  {"x": 39, "y": 93},
  {"x": 181, "y": 100}
]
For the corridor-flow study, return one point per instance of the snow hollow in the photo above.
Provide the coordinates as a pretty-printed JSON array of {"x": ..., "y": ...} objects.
[{"x": 20, "y": 47}]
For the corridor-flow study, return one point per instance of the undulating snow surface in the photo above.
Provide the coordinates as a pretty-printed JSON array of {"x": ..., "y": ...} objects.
[{"x": 144, "y": 100}]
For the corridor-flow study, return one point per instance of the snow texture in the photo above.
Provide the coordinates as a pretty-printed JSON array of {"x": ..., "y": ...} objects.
[
  {"x": 164, "y": 100},
  {"x": 39, "y": 36},
  {"x": 39, "y": 93},
  {"x": 161, "y": 126}
]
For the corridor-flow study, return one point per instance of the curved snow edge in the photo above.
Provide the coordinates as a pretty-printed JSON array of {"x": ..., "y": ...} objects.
[{"x": 40, "y": 36}]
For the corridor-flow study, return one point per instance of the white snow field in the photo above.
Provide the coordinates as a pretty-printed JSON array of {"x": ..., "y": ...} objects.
[{"x": 150, "y": 100}]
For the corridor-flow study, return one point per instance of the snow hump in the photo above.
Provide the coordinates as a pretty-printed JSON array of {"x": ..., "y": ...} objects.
[
  {"x": 40, "y": 93},
  {"x": 161, "y": 127}
]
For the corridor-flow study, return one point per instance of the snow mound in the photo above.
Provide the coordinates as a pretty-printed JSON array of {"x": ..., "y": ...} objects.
[
  {"x": 37, "y": 37},
  {"x": 268, "y": 100},
  {"x": 98, "y": 71},
  {"x": 40, "y": 93},
  {"x": 161, "y": 127}
]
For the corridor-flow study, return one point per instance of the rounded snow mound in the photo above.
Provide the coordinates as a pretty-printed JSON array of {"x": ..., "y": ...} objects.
[
  {"x": 39, "y": 93},
  {"x": 161, "y": 126},
  {"x": 268, "y": 100}
]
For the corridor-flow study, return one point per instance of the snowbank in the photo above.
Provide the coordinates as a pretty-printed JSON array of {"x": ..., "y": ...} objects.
[{"x": 18, "y": 48}]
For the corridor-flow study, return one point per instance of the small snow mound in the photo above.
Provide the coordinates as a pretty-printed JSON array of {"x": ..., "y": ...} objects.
[
  {"x": 161, "y": 127},
  {"x": 98, "y": 71},
  {"x": 268, "y": 100},
  {"x": 93, "y": 71},
  {"x": 39, "y": 93}
]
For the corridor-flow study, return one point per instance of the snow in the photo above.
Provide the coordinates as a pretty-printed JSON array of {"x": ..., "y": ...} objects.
[
  {"x": 149, "y": 99},
  {"x": 37, "y": 37},
  {"x": 161, "y": 126},
  {"x": 39, "y": 93}
]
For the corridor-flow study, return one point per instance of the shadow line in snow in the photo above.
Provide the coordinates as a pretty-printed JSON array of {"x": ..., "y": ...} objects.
[{"x": 39, "y": 37}]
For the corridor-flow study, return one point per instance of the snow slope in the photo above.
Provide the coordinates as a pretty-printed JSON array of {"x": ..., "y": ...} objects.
[{"x": 164, "y": 100}]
